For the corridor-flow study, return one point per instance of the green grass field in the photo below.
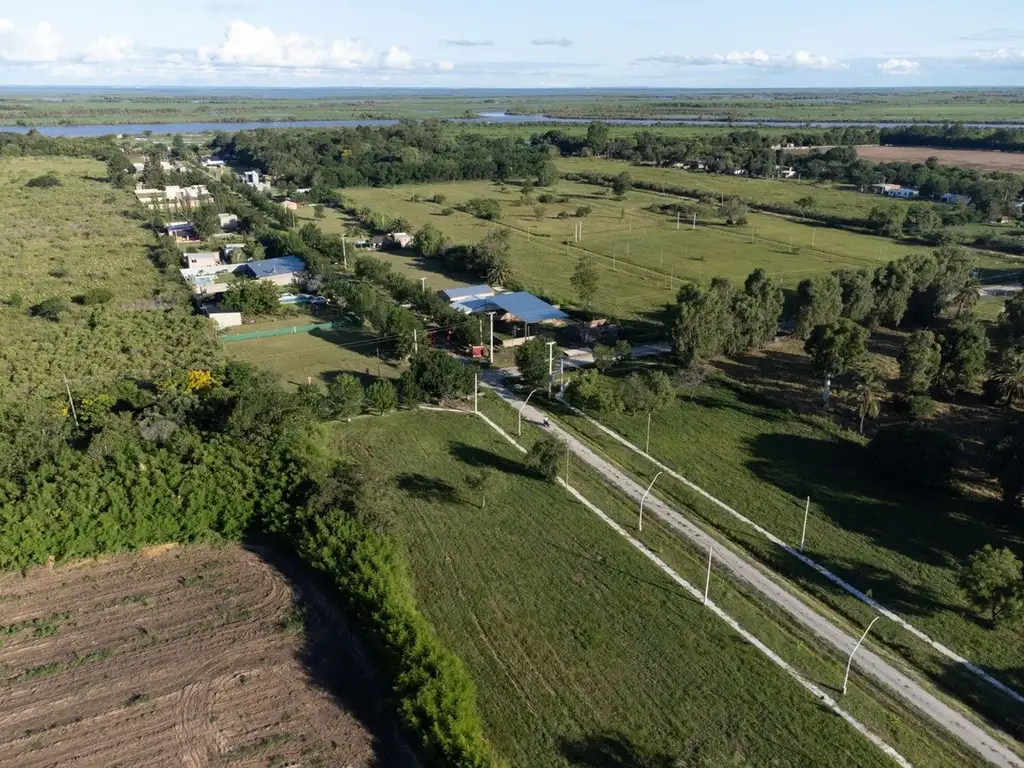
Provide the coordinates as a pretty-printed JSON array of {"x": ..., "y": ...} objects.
[
  {"x": 901, "y": 546},
  {"x": 62, "y": 241},
  {"x": 583, "y": 652},
  {"x": 641, "y": 256}
]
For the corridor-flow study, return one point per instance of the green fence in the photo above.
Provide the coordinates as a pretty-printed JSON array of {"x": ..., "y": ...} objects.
[{"x": 281, "y": 331}]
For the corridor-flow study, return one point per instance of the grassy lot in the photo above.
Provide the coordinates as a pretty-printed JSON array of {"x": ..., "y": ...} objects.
[
  {"x": 583, "y": 652},
  {"x": 59, "y": 243},
  {"x": 836, "y": 200},
  {"x": 899, "y": 545},
  {"x": 641, "y": 255},
  {"x": 319, "y": 355}
]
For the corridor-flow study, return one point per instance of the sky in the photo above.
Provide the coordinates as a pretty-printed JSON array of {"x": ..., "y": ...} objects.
[{"x": 527, "y": 44}]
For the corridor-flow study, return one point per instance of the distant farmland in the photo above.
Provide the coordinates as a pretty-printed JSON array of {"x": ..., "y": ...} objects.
[{"x": 962, "y": 158}]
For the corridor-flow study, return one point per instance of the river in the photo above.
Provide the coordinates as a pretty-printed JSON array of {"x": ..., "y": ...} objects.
[{"x": 483, "y": 118}]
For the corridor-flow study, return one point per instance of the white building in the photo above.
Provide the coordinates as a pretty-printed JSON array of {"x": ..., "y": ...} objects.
[
  {"x": 202, "y": 259},
  {"x": 904, "y": 193}
]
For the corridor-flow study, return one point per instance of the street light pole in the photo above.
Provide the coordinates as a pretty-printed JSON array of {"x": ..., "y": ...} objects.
[
  {"x": 491, "y": 358},
  {"x": 551, "y": 364},
  {"x": 849, "y": 662},
  {"x": 707, "y": 581},
  {"x": 647, "y": 445},
  {"x": 640, "y": 525},
  {"x": 803, "y": 533},
  {"x": 519, "y": 425}
]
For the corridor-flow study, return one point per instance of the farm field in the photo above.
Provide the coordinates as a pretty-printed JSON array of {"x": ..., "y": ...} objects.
[
  {"x": 1006, "y": 162},
  {"x": 641, "y": 256},
  {"x": 835, "y": 200},
  {"x": 742, "y": 447},
  {"x": 62, "y": 241},
  {"x": 583, "y": 653},
  {"x": 181, "y": 656}
]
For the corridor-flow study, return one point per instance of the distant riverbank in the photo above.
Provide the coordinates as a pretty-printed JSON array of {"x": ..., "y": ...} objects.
[{"x": 482, "y": 119}]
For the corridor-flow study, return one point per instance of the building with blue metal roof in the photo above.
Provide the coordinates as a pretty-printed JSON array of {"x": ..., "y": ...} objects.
[
  {"x": 519, "y": 306},
  {"x": 452, "y": 295},
  {"x": 279, "y": 271}
]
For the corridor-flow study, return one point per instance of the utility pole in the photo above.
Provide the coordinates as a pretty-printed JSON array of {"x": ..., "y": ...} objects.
[
  {"x": 849, "y": 662},
  {"x": 491, "y": 359},
  {"x": 647, "y": 445},
  {"x": 677, "y": 220},
  {"x": 480, "y": 325},
  {"x": 694, "y": 226},
  {"x": 707, "y": 581},
  {"x": 662, "y": 258},
  {"x": 379, "y": 375},
  {"x": 415, "y": 342},
  {"x": 566, "y": 462},
  {"x": 803, "y": 533},
  {"x": 344, "y": 253},
  {"x": 561, "y": 374},
  {"x": 476, "y": 392},
  {"x": 551, "y": 365},
  {"x": 71, "y": 401},
  {"x": 423, "y": 284},
  {"x": 814, "y": 233},
  {"x": 640, "y": 525}
]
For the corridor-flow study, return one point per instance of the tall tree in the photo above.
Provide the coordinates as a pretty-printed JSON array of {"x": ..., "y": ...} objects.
[
  {"x": 919, "y": 362},
  {"x": 701, "y": 322},
  {"x": 858, "y": 294},
  {"x": 964, "y": 349},
  {"x": 966, "y": 295},
  {"x": 585, "y": 279},
  {"x": 532, "y": 361},
  {"x": 837, "y": 348},
  {"x": 992, "y": 581},
  {"x": 1009, "y": 376},
  {"x": 819, "y": 302},
  {"x": 867, "y": 398},
  {"x": 621, "y": 184},
  {"x": 598, "y": 134}
]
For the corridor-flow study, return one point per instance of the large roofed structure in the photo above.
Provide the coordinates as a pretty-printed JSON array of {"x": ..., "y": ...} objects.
[{"x": 521, "y": 306}]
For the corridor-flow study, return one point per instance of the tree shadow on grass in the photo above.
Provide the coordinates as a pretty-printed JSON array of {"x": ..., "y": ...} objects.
[
  {"x": 480, "y": 458},
  {"x": 335, "y": 658},
  {"x": 425, "y": 488},
  {"x": 997, "y": 708},
  {"x": 933, "y": 528},
  {"x": 613, "y": 750}
]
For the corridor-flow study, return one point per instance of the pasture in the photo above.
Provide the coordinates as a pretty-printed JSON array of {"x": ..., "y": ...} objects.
[
  {"x": 183, "y": 656},
  {"x": 979, "y": 160},
  {"x": 901, "y": 545},
  {"x": 60, "y": 243},
  {"x": 641, "y": 256},
  {"x": 583, "y": 652}
]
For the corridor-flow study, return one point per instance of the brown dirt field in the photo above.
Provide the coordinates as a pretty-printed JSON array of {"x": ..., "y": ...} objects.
[
  {"x": 197, "y": 656},
  {"x": 980, "y": 160}
]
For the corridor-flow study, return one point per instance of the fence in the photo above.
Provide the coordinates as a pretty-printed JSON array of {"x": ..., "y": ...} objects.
[{"x": 282, "y": 331}]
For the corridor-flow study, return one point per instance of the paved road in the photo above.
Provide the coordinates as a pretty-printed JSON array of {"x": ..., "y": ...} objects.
[{"x": 867, "y": 662}]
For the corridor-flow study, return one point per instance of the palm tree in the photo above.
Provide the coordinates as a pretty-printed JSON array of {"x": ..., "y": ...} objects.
[
  {"x": 966, "y": 295},
  {"x": 499, "y": 271},
  {"x": 867, "y": 398},
  {"x": 1010, "y": 377}
]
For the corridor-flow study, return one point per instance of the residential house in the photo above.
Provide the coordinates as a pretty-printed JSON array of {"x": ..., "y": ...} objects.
[
  {"x": 289, "y": 205},
  {"x": 280, "y": 271},
  {"x": 904, "y": 193},
  {"x": 228, "y": 248},
  {"x": 250, "y": 178},
  {"x": 951, "y": 198},
  {"x": 379, "y": 242},
  {"x": 784, "y": 172},
  {"x": 212, "y": 162},
  {"x": 139, "y": 167},
  {"x": 402, "y": 239},
  {"x": 182, "y": 232},
  {"x": 172, "y": 195},
  {"x": 223, "y": 318},
  {"x": 883, "y": 189},
  {"x": 201, "y": 259}
]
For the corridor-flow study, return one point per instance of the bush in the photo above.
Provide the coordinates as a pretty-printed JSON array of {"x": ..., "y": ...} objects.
[
  {"x": 484, "y": 208},
  {"x": 913, "y": 453},
  {"x": 381, "y": 397},
  {"x": 50, "y": 309},
  {"x": 563, "y": 214},
  {"x": 44, "y": 181},
  {"x": 546, "y": 197},
  {"x": 583, "y": 211},
  {"x": 95, "y": 296},
  {"x": 544, "y": 456},
  {"x": 916, "y": 407},
  {"x": 447, "y": 211}
]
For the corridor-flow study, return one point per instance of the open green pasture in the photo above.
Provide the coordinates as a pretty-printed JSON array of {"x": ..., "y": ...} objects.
[
  {"x": 62, "y": 241},
  {"x": 583, "y": 652},
  {"x": 902, "y": 546}
]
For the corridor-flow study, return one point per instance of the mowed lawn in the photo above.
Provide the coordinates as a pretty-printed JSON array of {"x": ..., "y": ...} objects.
[
  {"x": 60, "y": 242},
  {"x": 583, "y": 652},
  {"x": 641, "y": 256},
  {"x": 900, "y": 545}
]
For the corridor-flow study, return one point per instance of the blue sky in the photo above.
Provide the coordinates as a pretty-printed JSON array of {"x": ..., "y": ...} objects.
[{"x": 554, "y": 43}]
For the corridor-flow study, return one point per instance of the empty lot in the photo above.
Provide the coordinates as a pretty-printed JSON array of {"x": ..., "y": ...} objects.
[{"x": 196, "y": 656}]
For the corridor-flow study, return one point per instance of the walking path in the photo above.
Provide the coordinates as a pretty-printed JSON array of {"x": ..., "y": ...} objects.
[{"x": 985, "y": 744}]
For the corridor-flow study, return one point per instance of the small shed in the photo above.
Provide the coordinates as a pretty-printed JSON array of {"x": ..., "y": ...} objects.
[
  {"x": 223, "y": 319},
  {"x": 452, "y": 295}
]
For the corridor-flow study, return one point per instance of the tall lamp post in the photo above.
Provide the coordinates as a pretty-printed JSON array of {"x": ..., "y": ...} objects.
[
  {"x": 640, "y": 525},
  {"x": 519, "y": 425},
  {"x": 849, "y": 661}
]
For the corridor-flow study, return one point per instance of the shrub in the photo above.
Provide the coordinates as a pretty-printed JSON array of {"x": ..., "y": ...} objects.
[
  {"x": 544, "y": 456},
  {"x": 381, "y": 397},
  {"x": 50, "y": 309},
  {"x": 914, "y": 453},
  {"x": 96, "y": 296},
  {"x": 44, "y": 181},
  {"x": 563, "y": 214},
  {"x": 991, "y": 579},
  {"x": 583, "y": 211},
  {"x": 447, "y": 211},
  {"x": 546, "y": 197},
  {"x": 916, "y": 407}
]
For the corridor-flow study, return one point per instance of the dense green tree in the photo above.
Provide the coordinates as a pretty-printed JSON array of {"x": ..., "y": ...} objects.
[
  {"x": 888, "y": 220},
  {"x": 756, "y": 311},
  {"x": 591, "y": 391},
  {"x": 484, "y": 208},
  {"x": 858, "y": 293},
  {"x": 893, "y": 286},
  {"x": 920, "y": 361},
  {"x": 50, "y": 309},
  {"x": 532, "y": 361},
  {"x": 647, "y": 393},
  {"x": 734, "y": 211},
  {"x": 381, "y": 397},
  {"x": 966, "y": 295},
  {"x": 440, "y": 376},
  {"x": 837, "y": 348},
  {"x": 819, "y": 301},
  {"x": 205, "y": 221},
  {"x": 252, "y": 297},
  {"x": 585, "y": 279},
  {"x": 964, "y": 350},
  {"x": 701, "y": 322},
  {"x": 545, "y": 456},
  {"x": 621, "y": 184},
  {"x": 598, "y": 135},
  {"x": 604, "y": 357},
  {"x": 992, "y": 580},
  {"x": 1009, "y": 376},
  {"x": 346, "y": 396}
]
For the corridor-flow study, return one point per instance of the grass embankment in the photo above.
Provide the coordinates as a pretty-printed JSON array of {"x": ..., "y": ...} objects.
[
  {"x": 63, "y": 241},
  {"x": 641, "y": 256},
  {"x": 899, "y": 545},
  {"x": 580, "y": 648}
]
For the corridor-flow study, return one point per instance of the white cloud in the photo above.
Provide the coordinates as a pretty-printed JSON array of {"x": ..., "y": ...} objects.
[
  {"x": 397, "y": 58},
  {"x": 40, "y": 43},
  {"x": 108, "y": 49},
  {"x": 758, "y": 58},
  {"x": 445, "y": 66},
  {"x": 252, "y": 46},
  {"x": 1001, "y": 56},
  {"x": 560, "y": 42},
  {"x": 900, "y": 67}
]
